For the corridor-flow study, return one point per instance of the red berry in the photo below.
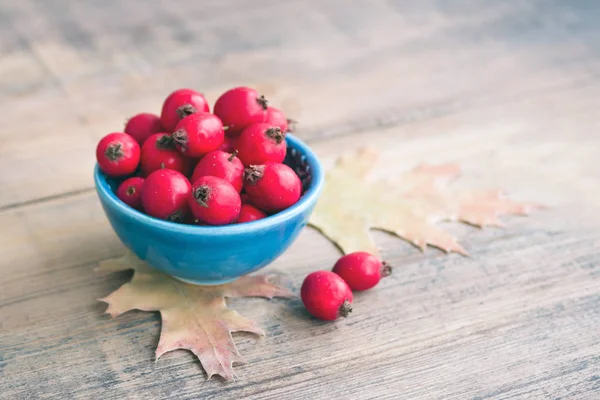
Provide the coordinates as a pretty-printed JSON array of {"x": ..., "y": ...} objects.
[
  {"x": 165, "y": 195},
  {"x": 118, "y": 154},
  {"x": 222, "y": 165},
  {"x": 228, "y": 144},
  {"x": 250, "y": 213},
  {"x": 142, "y": 126},
  {"x": 214, "y": 201},
  {"x": 272, "y": 187},
  {"x": 361, "y": 270},
  {"x": 326, "y": 296},
  {"x": 130, "y": 192},
  {"x": 198, "y": 134},
  {"x": 276, "y": 118},
  {"x": 179, "y": 105},
  {"x": 261, "y": 143},
  {"x": 159, "y": 152},
  {"x": 239, "y": 108}
]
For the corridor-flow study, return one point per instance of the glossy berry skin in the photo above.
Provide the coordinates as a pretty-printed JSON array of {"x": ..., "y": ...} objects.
[
  {"x": 165, "y": 195},
  {"x": 158, "y": 152},
  {"x": 361, "y": 270},
  {"x": 276, "y": 118},
  {"x": 250, "y": 213},
  {"x": 240, "y": 107},
  {"x": 228, "y": 144},
  {"x": 214, "y": 201},
  {"x": 222, "y": 165},
  {"x": 198, "y": 134},
  {"x": 179, "y": 105},
  {"x": 130, "y": 192},
  {"x": 272, "y": 187},
  {"x": 142, "y": 126},
  {"x": 326, "y": 296},
  {"x": 118, "y": 154},
  {"x": 261, "y": 143}
]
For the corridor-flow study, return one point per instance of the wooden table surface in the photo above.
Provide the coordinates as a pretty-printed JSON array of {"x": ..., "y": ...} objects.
[{"x": 510, "y": 90}]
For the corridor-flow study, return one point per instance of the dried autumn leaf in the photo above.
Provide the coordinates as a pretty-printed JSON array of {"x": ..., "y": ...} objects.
[
  {"x": 410, "y": 207},
  {"x": 194, "y": 318}
]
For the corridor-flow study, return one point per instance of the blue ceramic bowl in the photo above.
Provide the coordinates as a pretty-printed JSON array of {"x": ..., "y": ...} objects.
[{"x": 212, "y": 255}]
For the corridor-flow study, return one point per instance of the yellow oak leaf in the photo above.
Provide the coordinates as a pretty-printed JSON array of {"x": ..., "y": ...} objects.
[
  {"x": 408, "y": 207},
  {"x": 194, "y": 318}
]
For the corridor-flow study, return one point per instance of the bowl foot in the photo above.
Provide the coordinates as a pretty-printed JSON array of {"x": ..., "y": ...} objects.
[{"x": 211, "y": 282}]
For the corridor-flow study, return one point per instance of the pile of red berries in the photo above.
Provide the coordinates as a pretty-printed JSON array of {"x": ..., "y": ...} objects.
[
  {"x": 327, "y": 295},
  {"x": 193, "y": 166}
]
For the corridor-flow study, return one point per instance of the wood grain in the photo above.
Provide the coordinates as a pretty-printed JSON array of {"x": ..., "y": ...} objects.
[
  {"x": 509, "y": 90},
  {"x": 334, "y": 68}
]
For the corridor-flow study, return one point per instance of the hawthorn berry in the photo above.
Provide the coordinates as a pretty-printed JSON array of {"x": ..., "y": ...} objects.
[
  {"x": 361, "y": 270},
  {"x": 240, "y": 107},
  {"x": 130, "y": 192},
  {"x": 214, "y": 201},
  {"x": 158, "y": 152},
  {"x": 276, "y": 118},
  {"x": 198, "y": 134},
  {"x": 261, "y": 143},
  {"x": 118, "y": 154},
  {"x": 272, "y": 187},
  {"x": 180, "y": 104},
  {"x": 250, "y": 213},
  {"x": 326, "y": 296},
  {"x": 222, "y": 165},
  {"x": 165, "y": 195},
  {"x": 142, "y": 126}
]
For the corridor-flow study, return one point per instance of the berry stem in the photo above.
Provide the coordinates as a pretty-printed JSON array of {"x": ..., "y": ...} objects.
[
  {"x": 177, "y": 216},
  {"x": 202, "y": 194},
  {"x": 345, "y": 309},
  {"x": 165, "y": 142},
  {"x": 113, "y": 152},
  {"x": 232, "y": 156},
  {"x": 262, "y": 101},
  {"x": 253, "y": 173},
  {"x": 275, "y": 134},
  {"x": 130, "y": 190},
  {"x": 185, "y": 110},
  {"x": 180, "y": 137},
  {"x": 386, "y": 269}
]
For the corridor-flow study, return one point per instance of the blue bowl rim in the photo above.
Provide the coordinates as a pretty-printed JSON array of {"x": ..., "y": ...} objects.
[{"x": 306, "y": 201}]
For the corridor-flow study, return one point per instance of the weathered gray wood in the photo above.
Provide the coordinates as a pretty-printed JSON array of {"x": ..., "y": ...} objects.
[
  {"x": 509, "y": 90},
  {"x": 84, "y": 67},
  {"x": 519, "y": 316}
]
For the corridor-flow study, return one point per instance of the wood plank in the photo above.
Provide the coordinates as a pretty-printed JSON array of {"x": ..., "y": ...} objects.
[
  {"x": 509, "y": 90},
  {"x": 338, "y": 69},
  {"x": 518, "y": 318}
]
